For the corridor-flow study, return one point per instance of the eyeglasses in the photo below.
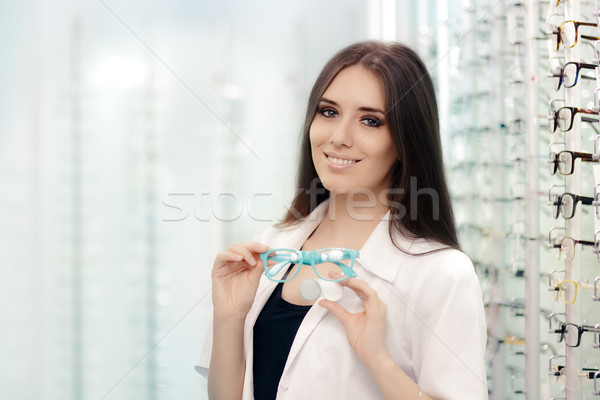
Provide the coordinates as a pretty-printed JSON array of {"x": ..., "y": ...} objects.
[
  {"x": 564, "y": 161},
  {"x": 322, "y": 261},
  {"x": 571, "y": 333},
  {"x": 566, "y": 33},
  {"x": 569, "y": 74},
  {"x": 566, "y": 204},
  {"x": 567, "y": 245},
  {"x": 568, "y": 374},
  {"x": 563, "y": 118},
  {"x": 567, "y": 290}
]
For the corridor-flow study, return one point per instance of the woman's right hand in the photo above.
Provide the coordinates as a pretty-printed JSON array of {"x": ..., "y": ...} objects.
[{"x": 235, "y": 276}]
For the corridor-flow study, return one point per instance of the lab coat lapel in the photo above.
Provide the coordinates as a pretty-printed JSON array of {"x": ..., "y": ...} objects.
[{"x": 292, "y": 238}]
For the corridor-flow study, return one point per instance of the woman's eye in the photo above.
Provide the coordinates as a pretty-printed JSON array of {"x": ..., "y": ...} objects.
[
  {"x": 372, "y": 122},
  {"x": 328, "y": 113}
]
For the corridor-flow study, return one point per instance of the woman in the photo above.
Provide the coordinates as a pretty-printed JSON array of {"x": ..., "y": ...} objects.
[{"x": 411, "y": 324}]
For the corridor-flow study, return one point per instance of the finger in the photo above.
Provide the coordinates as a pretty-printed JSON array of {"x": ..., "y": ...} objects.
[
  {"x": 360, "y": 287},
  {"x": 337, "y": 310},
  {"x": 228, "y": 256},
  {"x": 244, "y": 252},
  {"x": 256, "y": 247}
]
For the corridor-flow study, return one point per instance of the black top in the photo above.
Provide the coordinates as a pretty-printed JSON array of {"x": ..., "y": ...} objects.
[{"x": 274, "y": 332}]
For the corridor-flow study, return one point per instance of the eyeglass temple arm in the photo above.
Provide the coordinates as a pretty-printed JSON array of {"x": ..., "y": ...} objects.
[
  {"x": 588, "y": 119},
  {"x": 585, "y": 242},
  {"x": 588, "y": 37},
  {"x": 585, "y": 200},
  {"x": 586, "y": 157},
  {"x": 587, "y": 110}
]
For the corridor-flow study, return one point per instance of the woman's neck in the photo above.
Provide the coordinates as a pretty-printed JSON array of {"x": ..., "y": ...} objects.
[{"x": 349, "y": 221}]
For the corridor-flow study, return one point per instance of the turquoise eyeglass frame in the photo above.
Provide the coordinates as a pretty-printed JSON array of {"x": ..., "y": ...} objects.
[{"x": 310, "y": 258}]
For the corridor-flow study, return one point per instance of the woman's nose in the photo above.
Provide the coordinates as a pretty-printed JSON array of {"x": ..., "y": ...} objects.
[{"x": 342, "y": 134}]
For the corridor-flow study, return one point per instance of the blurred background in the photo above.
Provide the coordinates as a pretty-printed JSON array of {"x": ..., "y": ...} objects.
[{"x": 140, "y": 138}]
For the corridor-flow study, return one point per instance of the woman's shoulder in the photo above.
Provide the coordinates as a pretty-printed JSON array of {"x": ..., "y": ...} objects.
[{"x": 435, "y": 260}]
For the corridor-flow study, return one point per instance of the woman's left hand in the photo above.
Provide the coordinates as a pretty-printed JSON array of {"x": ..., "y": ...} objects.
[{"x": 365, "y": 330}]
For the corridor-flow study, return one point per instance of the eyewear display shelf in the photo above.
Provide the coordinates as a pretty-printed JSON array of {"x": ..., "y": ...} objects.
[{"x": 523, "y": 129}]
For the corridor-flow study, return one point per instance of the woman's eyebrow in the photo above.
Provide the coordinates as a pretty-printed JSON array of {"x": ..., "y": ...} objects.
[{"x": 368, "y": 109}]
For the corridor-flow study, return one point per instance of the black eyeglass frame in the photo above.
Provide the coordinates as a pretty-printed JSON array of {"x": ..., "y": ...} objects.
[
  {"x": 579, "y": 66},
  {"x": 554, "y": 158},
  {"x": 558, "y": 201},
  {"x": 580, "y": 329},
  {"x": 574, "y": 111}
]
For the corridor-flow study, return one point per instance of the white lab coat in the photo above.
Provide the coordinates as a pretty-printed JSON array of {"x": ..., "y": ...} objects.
[{"x": 436, "y": 329}]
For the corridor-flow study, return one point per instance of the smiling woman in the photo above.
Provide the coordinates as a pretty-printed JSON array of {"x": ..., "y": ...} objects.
[
  {"x": 351, "y": 144},
  {"x": 410, "y": 322}
]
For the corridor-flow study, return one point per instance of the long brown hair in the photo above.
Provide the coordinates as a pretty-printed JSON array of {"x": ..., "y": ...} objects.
[{"x": 419, "y": 199}]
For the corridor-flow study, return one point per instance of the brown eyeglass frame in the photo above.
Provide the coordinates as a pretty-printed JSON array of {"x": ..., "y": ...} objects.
[
  {"x": 574, "y": 111},
  {"x": 577, "y": 25},
  {"x": 555, "y": 157}
]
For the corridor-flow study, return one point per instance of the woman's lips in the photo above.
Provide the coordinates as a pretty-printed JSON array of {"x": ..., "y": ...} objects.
[{"x": 340, "y": 163}]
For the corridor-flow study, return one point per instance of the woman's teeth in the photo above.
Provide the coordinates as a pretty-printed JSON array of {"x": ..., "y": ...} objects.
[{"x": 339, "y": 161}]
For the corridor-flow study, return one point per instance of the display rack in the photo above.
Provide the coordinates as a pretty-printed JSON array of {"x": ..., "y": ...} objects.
[{"x": 513, "y": 217}]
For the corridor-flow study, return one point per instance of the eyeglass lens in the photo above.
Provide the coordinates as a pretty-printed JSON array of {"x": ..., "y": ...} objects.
[
  {"x": 567, "y": 247},
  {"x": 565, "y": 162},
  {"x": 568, "y": 34},
  {"x": 561, "y": 162},
  {"x": 568, "y": 291},
  {"x": 564, "y": 118},
  {"x": 567, "y": 205},
  {"x": 568, "y": 374},
  {"x": 569, "y": 77},
  {"x": 279, "y": 260},
  {"x": 571, "y": 335}
]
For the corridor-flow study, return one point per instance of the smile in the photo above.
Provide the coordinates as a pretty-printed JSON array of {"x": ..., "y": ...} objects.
[{"x": 340, "y": 161}]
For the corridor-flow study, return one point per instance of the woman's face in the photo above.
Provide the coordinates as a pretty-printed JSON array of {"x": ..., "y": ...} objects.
[{"x": 351, "y": 144}]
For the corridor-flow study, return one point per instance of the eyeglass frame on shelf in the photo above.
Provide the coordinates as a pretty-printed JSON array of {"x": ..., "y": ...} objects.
[
  {"x": 580, "y": 330},
  {"x": 554, "y": 117},
  {"x": 556, "y": 286},
  {"x": 554, "y": 160},
  {"x": 558, "y": 204},
  {"x": 556, "y": 245},
  {"x": 558, "y": 371},
  {"x": 557, "y": 31},
  {"x": 579, "y": 66}
]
